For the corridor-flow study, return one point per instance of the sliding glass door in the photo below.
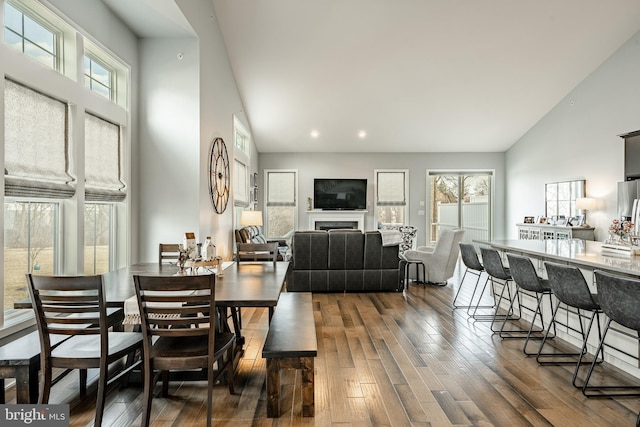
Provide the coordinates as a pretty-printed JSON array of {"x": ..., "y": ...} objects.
[{"x": 460, "y": 200}]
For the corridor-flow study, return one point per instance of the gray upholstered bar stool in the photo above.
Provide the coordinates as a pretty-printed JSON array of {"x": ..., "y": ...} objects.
[
  {"x": 473, "y": 266},
  {"x": 570, "y": 288},
  {"x": 528, "y": 283},
  {"x": 620, "y": 301},
  {"x": 498, "y": 274}
]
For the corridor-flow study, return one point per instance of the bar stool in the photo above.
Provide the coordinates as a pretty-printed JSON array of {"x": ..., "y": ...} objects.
[
  {"x": 620, "y": 301},
  {"x": 501, "y": 275},
  {"x": 474, "y": 266},
  {"x": 528, "y": 283},
  {"x": 570, "y": 288}
]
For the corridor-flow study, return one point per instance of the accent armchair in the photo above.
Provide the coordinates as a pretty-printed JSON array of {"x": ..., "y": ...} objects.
[{"x": 439, "y": 260}]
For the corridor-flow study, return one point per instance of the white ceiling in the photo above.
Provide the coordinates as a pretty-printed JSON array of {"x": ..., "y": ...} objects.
[{"x": 416, "y": 75}]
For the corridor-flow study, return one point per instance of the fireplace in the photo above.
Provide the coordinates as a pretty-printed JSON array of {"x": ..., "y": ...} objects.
[
  {"x": 333, "y": 225},
  {"x": 325, "y": 220}
]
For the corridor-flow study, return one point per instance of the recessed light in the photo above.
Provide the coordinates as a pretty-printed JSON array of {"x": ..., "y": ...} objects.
[
  {"x": 362, "y": 134},
  {"x": 315, "y": 134}
]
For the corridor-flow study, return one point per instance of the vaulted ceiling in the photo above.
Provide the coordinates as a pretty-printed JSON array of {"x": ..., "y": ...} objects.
[{"x": 413, "y": 75}]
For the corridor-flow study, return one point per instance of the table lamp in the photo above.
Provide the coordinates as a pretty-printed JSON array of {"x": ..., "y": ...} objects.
[
  {"x": 585, "y": 204},
  {"x": 251, "y": 218}
]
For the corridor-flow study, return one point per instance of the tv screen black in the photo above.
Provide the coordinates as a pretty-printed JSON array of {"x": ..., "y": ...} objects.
[{"x": 339, "y": 194}]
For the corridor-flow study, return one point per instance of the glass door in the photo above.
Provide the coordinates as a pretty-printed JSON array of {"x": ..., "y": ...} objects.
[{"x": 460, "y": 200}]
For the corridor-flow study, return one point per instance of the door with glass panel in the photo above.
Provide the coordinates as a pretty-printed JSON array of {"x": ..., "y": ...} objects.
[{"x": 460, "y": 200}]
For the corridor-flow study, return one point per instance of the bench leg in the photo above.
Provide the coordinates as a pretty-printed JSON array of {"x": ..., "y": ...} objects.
[
  {"x": 273, "y": 388},
  {"x": 308, "y": 398},
  {"x": 24, "y": 392}
]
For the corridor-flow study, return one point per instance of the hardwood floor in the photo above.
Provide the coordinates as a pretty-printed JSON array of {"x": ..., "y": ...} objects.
[{"x": 384, "y": 359}]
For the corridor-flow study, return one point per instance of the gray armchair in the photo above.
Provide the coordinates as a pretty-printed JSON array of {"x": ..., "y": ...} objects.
[{"x": 439, "y": 260}]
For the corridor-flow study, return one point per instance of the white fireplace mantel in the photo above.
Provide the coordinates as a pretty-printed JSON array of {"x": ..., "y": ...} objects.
[{"x": 317, "y": 215}]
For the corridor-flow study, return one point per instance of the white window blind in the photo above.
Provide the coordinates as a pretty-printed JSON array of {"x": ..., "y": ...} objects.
[
  {"x": 102, "y": 161},
  {"x": 36, "y": 150},
  {"x": 241, "y": 196},
  {"x": 281, "y": 189},
  {"x": 391, "y": 189}
]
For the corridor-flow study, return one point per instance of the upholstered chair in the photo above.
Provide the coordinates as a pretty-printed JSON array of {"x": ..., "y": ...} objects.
[{"x": 439, "y": 260}]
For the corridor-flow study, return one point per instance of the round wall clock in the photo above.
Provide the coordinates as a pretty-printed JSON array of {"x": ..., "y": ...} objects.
[{"x": 219, "y": 175}]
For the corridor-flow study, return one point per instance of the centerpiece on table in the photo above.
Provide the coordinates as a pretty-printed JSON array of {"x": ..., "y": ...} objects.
[
  {"x": 620, "y": 239},
  {"x": 620, "y": 232}
]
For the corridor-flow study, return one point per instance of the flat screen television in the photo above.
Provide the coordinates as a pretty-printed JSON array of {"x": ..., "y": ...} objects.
[{"x": 339, "y": 194}]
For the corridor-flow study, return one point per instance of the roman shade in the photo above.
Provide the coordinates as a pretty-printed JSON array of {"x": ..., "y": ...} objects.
[
  {"x": 36, "y": 160},
  {"x": 391, "y": 189},
  {"x": 281, "y": 189},
  {"x": 102, "y": 161}
]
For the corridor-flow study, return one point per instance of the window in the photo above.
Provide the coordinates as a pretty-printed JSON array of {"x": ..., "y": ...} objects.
[
  {"x": 281, "y": 202},
  {"x": 30, "y": 245},
  {"x": 104, "y": 74},
  {"x": 48, "y": 120},
  {"x": 241, "y": 137},
  {"x": 28, "y": 34},
  {"x": 97, "y": 77},
  {"x": 391, "y": 196},
  {"x": 240, "y": 184},
  {"x": 461, "y": 200},
  {"x": 241, "y": 164},
  {"x": 98, "y": 237}
]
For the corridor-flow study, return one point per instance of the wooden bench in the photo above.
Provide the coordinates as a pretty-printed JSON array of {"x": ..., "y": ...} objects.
[
  {"x": 20, "y": 359},
  {"x": 291, "y": 344}
]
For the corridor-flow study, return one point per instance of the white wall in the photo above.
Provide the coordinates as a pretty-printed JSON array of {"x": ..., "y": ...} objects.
[
  {"x": 185, "y": 104},
  {"x": 169, "y": 143},
  {"x": 578, "y": 140},
  {"x": 362, "y": 165}
]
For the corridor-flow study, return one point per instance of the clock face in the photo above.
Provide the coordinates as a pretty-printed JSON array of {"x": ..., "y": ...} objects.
[{"x": 219, "y": 175}]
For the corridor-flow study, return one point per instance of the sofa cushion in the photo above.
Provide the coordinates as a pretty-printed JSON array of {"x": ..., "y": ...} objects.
[
  {"x": 310, "y": 250},
  {"x": 346, "y": 249},
  {"x": 377, "y": 256}
]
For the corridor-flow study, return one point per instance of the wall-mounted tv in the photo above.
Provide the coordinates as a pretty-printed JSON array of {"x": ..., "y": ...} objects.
[{"x": 339, "y": 194}]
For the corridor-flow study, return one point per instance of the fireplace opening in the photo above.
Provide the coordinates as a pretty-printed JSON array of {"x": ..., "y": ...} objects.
[{"x": 336, "y": 225}]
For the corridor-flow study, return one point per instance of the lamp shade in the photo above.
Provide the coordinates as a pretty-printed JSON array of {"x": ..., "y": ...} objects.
[
  {"x": 585, "y": 203},
  {"x": 251, "y": 218}
]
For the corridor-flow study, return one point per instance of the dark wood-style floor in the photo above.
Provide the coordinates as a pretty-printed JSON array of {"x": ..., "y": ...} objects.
[{"x": 388, "y": 359}]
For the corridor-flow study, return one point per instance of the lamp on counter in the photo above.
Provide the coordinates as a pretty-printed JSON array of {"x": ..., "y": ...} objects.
[
  {"x": 248, "y": 218},
  {"x": 586, "y": 204}
]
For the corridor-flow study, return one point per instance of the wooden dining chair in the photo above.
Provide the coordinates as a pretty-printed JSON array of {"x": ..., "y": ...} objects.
[
  {"x": 168, "y": 252},
  {"x": 252, "y": 252},
  {"x": 178, "y": 318},
  {"x": 75, "y": 306}
]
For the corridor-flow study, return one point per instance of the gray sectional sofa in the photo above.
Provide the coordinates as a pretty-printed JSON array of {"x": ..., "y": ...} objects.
[{"x": 343, "y": 261}]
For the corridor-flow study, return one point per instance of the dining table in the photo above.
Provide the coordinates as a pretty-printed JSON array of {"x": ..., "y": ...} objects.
[{"x": 246, "y": 284}]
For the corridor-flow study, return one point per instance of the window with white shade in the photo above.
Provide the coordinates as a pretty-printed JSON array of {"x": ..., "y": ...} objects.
[
  {"x": 281, "y": 202},
  {"x": 102, "y": 161},
  {"x": 57, "y": 133},
  {"x": 392, "y": 189},
  {"x": 36, "y": 148},
  {"x": 240, "y": 184}
]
